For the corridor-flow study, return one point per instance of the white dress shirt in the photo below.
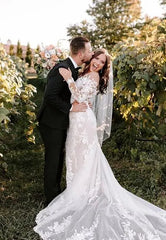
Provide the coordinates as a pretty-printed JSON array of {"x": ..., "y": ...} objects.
[{"x": 75, "y": 65}]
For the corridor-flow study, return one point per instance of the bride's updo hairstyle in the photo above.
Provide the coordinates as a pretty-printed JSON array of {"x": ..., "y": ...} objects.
[{"x": 104, "y": 72}]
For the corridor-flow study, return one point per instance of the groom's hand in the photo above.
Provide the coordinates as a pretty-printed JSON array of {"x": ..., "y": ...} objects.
[{"x": 79, "y": 107}]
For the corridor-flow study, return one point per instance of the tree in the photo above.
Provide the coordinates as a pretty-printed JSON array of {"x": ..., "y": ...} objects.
[
  {"x": 163, "y": 3},
  {"x": 11, "y": 50},
  {"x": 28, "y": 57},
  {"x": 19, "y": 50},
  {"x": 113, "y": 20},
  {"x": 37, "y": 50}
]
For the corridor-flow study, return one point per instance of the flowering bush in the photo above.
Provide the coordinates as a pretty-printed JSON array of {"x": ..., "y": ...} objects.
[{"x": 46, "y": 60}]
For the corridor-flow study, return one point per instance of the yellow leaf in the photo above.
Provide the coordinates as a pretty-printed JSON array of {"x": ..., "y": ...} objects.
[
  {"x": 31, "y": 114},
  {"x": 135, "y": 104}
]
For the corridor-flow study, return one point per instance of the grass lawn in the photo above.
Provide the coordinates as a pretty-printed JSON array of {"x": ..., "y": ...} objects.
[
  {"x": 22, "y": 195},
  {"x": 22, "y": 187}
]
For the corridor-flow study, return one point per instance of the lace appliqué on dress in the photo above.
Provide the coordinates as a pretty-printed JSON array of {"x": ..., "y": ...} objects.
[
  {"x": 55, "y": 228},
  {"x": 83, "y": 89},
  {"x": 130, "y": 234},
  {"x": 85, "y": 233}
]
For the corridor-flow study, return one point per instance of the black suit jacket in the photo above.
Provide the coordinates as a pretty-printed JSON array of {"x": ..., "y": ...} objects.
[{"x": 56, "y": 105}]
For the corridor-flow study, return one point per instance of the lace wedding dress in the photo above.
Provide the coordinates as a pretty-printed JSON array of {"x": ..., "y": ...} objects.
[{"x": 94, "y": 206}]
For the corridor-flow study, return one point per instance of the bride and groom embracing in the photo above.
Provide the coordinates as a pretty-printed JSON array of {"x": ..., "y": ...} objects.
[{"x": 93, "y": 206}]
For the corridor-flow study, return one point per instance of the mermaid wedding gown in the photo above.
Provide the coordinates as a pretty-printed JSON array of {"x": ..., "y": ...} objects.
[{"x": 94, "y": 206}]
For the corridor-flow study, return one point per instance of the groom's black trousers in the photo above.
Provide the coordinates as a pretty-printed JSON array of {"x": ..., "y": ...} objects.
[{"x": 54, "y": 143}]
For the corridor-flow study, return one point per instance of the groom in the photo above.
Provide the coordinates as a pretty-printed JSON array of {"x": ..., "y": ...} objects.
[{"x": 53, "y": 116}]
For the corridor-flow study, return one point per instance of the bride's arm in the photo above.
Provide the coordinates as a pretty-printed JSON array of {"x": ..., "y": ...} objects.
[{"x": 79, "y": 95}]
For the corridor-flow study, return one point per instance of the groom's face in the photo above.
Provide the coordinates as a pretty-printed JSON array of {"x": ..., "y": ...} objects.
[{"x": 87, "y": 53}]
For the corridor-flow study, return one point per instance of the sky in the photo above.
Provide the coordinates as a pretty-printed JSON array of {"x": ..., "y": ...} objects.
[{"x": 45, "y": 22}]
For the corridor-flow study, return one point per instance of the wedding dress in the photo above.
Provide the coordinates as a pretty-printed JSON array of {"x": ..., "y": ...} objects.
[{"x": 94, "y": 206}]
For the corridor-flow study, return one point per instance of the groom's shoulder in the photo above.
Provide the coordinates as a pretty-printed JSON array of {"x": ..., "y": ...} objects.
[{"x": 61, "y": 63}]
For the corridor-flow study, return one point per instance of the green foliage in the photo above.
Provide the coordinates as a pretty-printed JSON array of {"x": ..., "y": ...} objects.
[
  {"x": 83, "y": 29},
  {"x": 17, "y": 116},
  {"x": 21, "y": 67},
  {"x": 163, "y": 4},
  {"x": 37, "y": 50},
  {"x": 28, "y": 57},
  {"x": 140, "y": 86},
  {"x": 19, "y": 50},
  {"x": 11, "y": 50},
  {"x": 112, "y": 22},
  {"x": 10, "y": 84}
]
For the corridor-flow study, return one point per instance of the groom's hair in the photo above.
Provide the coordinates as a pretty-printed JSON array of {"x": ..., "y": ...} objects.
[{"x": 77, "y": 44}]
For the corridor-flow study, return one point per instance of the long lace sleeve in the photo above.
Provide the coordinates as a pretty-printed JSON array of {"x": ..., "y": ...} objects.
[{"x": 86, "y": 92}]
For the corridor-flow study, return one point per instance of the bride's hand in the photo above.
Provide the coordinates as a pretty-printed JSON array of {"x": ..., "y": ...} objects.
[{"x": 66, "y": 73}]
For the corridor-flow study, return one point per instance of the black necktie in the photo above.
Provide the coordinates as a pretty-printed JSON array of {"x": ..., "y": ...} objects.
[
  {"x": 76, "y": 72},
  {"x": 77, "y": 69}
]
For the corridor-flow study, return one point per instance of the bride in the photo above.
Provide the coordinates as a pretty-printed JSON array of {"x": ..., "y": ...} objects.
[{"x": 94, "y": 206}]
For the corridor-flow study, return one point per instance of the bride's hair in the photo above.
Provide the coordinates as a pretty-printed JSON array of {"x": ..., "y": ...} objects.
[{"x": 104, "y": 72}]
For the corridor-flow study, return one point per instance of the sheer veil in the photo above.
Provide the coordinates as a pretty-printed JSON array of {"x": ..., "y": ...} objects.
[{"x": 103, "y": 107}]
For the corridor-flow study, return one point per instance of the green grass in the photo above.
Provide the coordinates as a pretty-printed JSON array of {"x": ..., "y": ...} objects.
[
  {"x": 22, "y": 195},
  {"x": 21, "y": 187},
  {"x": 145, "y": 177}
]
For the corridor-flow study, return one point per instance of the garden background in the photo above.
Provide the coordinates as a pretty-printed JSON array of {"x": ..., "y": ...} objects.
[{"x": 136, "y": 149}]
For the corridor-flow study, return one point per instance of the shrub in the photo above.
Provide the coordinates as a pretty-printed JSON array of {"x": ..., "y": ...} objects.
[
  {"x": 140, "y": 86},
  {"x": 17, "y": 117}
]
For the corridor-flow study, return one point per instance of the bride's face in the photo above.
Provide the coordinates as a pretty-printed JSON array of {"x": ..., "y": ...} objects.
[{"x": 97, "y": 63}]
